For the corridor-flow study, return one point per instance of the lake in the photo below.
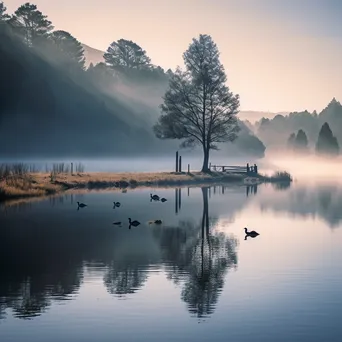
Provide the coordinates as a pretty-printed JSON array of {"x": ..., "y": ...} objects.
[{"x": 71, "y": 275}]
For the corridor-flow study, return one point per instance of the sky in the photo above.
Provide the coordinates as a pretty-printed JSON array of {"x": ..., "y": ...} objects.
[{"x": 278, "y": 55}]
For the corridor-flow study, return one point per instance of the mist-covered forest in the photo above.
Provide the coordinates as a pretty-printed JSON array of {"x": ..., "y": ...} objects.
[
  {"x": 53, "y": 103},
  {"x": 308, "y": 128}
]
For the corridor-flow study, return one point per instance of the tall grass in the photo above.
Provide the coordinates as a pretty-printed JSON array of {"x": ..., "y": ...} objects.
[
  {"x": 16, "y": 169},
  {"x": 283, "y": 176}
]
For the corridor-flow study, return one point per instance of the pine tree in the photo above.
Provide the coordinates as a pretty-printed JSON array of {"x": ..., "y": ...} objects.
[
  {"x": 301, "y": 141},
  {"x": 124, "y": 55},
  {"x": 3, "y": 15},
  {"x": 71, "y": 50},
  {"x": 327, "y": 143},
  {"x": 291, "y": 140},
  {"x": 31, "y": 24}
]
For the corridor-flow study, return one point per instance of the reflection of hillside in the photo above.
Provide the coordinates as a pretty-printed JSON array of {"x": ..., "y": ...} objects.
[
  {"x": 42, "y": 261},
  {"x": 199, "y": 260},
  {"x": 35, "y": 275},
  {"x": 323, "y": 201}
]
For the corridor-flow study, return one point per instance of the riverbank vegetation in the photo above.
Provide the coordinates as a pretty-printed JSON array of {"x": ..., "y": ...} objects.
[{"x": 20, "y": 180}]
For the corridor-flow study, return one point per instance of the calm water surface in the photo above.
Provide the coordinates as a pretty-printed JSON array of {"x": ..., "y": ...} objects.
[{"x": 68, "y": 274}]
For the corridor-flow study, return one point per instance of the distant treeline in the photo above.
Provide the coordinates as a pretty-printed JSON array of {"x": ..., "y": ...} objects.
[
  {"x": 304, "y": 131},
  {"x": 52, "y": 105}
]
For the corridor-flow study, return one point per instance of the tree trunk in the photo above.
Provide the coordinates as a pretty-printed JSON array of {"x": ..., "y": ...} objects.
[{"x": 205, "y": 166}]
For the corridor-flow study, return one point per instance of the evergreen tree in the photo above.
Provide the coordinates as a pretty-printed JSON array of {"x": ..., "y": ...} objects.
[
  {"x": 291, "y": 140},
  {"x": 124, "y": 55},
  {"x": 301, "y": 141},
  {"x": 327, "y": 143},
  {"x": 3, "y": 15},
  {"x": 31, "y": 24},
  {"x": 198, "y": 106},
  {"x": 70, "y": 49}
]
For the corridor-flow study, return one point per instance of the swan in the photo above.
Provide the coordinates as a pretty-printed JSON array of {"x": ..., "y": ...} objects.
[
  {"x": 134, "y": 223},
  {"x": 154, "y": 197},
  {"x": 253, "y": 233},
  {"x": 81, "y": 205}
]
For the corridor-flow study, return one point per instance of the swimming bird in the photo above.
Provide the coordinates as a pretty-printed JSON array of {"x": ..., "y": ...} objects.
[
  {"x": 117, "y": 223},
  {"x": 116, "y": 204},
  {"x": 163, "y": 199},
  {"x": 253, "y": 233},
  {"x": 134, "y": 223},
  {"x": 81, "y": 205},
  {"x": 156, "y": 222},
  {"x": 154, "y": 197}
]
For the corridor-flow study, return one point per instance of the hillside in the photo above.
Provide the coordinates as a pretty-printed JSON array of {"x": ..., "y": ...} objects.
[
  {"x": 92, "y": 55},
  {"x": 44, "y": 111},
  {"x": 275, "y": 131}
]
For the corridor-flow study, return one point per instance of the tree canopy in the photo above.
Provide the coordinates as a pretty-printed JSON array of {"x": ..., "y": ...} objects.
[
  {"x": 198, "y": 106},
  {"x": 31, "y": 24},
  {"x": 124, "y": 55},
  {"x": 69, "y": 47},
  {"x": 3, "y": 15},
  {"x": 327, "y": 143},
  {"x": 291, "y": 140},
  {"x": 301, "y": 141}
]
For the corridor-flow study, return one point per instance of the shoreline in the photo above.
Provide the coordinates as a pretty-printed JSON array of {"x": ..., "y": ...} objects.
[{"x": 44, "y": 184}]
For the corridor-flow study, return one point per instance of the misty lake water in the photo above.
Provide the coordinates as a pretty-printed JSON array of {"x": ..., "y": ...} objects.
[{"x": 71, "y": 275}]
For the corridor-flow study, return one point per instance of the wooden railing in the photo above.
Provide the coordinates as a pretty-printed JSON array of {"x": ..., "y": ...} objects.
[{"x": 233, "y": 168}]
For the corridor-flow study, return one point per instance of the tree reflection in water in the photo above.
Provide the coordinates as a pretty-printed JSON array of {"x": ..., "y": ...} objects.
[
  {"x": 125, "y": 279},
  {"x": 198, "y": 259}
]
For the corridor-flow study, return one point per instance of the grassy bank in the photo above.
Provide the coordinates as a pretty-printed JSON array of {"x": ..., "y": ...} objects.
[{"x": 15, "y": 184}]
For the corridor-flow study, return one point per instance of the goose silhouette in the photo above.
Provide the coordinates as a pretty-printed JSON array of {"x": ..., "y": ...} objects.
[
  {"x": 117, "y": 223},
  {"x": 116, "y": 204},
  {"x": 154, "y": 197},
  {"x": 163, "y": 200},
  {"x": 252, "y": 233},
  {"x": 81, "y": 205},
  {"x": 134, "y": 223}
]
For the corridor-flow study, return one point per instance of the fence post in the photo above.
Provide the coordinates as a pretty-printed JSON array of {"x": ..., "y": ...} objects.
[
  {"x": 177, "y": 161},
  {"x": 180, "y": 164}
]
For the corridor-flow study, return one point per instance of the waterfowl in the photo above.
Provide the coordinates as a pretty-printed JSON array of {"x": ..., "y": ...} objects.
[
  {"x": 253, "y": 233},
  {"x": 134, "y": 223},
  {"x": 81, "y": 205},
  {"x": 163, "y": 199},
  {"x": 117, "y": 223},
  {"x": 154, "y": 197},
  {"x": 157, "y": 221},
  {"x": 116, "y": 204}
]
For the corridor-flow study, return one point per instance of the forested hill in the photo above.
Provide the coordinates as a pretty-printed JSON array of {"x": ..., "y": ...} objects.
[
  {"x": 276, "y": 131},
  {"x": 45, "y": 112}
]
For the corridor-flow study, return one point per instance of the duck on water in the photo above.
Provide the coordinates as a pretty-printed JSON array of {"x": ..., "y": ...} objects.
[
  {"x": 252, "y": 233},
  {"x": 81, "y": 205},
  {"x": 134, "y": 223}
]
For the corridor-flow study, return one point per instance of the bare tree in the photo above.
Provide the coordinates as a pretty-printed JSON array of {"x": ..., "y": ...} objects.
[{"x": 198, "y": 106}]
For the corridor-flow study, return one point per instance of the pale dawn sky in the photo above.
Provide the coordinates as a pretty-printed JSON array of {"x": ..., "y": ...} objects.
[{"x": 279, "y": 55}]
